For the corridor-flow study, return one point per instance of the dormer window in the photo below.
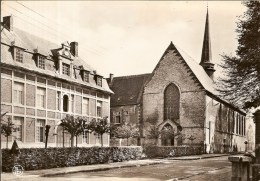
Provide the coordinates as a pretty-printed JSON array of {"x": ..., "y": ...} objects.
[
  {"x": 41, "y": 62},
  {"x": 18, "y": 54},
  {"x": 85, "y": 76},
  {"x": 99, "y": 81},
  {"x": 66, "y": 69}
]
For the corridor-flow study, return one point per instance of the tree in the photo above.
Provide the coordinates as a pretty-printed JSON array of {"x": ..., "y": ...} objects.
[
  {"x": 127, "y": 131},
  {"x": 74, "y": 126},
  {"x": 7, "y": 128},
  {"x": 100, "y": 127},
  {"x": 154, "y": 132},
  {"x": 47, "y": 129},
  {"x": 241, "y": 83}
]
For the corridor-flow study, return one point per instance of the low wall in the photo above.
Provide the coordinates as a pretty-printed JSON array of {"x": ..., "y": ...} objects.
[
  {"x": 40, "y": 158},
  {"x": 172, "y": 151}
]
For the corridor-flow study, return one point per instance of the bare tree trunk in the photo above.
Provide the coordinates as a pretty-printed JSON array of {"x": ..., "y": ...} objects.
[
  {"x": 7, "y": 142},
  {"x": 63, "y": 141},
  {"x": 76, "y": 141},
  {"x": 101, "y": 136},
  {"x": 72, "y": 140},
  {"x": 126, "y": 141}
]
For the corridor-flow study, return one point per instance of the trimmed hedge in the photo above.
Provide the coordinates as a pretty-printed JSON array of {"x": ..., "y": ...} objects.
[
  {"x": 40, "y": 158},
  {"x": 172, "y": 151}
]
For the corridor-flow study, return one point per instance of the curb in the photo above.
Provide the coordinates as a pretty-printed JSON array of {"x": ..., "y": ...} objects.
[
  {"x": 197, "y": 158},
  {"x": 100, "y": 169}
]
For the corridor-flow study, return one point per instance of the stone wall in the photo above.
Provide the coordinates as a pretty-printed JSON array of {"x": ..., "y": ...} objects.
[{"x": 173, "y": 69}]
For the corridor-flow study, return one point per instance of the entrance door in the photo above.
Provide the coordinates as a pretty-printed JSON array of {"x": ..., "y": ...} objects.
[{"x": 167, "y": 135}]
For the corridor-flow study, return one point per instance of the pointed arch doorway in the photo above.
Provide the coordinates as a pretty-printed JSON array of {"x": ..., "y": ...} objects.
[{"x": 167, "y": 135}]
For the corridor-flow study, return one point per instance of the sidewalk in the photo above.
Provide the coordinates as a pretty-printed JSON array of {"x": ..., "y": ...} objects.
[{"x": 107, "y": 166}]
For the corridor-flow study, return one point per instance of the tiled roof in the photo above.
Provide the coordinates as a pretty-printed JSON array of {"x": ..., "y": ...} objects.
[
  {"x": 128, "y": 89},
  {"x": 31, "y": 42}
]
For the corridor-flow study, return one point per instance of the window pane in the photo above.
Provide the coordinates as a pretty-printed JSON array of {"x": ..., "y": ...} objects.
[
  {"x": 41, "y": 97},
  {"x": 18, "y": 128},
  {"x": 65, "y": 69},
  {"x": 86, "y": 137},
  {"x": 18, "y": 93},
  {"x": 41, "y": 62},
  {"x": 18, "y": 55},
  {"x": 99, "y": 109},
  {"x": 40, "y": 126},
  {"x": 86, "y": 76},
  {"x": 85, "y": 106}
]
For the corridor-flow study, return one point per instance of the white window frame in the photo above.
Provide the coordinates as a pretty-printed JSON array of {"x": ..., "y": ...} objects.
[
  {"x": 65, "y": 69},
  {"x": 40, "y": 127},
  {"x": 19, "y": 128},
  {"x": 41, "y": 62},
  {"x": 99, "y": 105},
  {"x": 18, "y": 93},
  {"x": 18, "y": 54},
  {"x": 85, "y": 104},
  {"x": 85, "y": 137},
  {"x": 41, "y": 97}
]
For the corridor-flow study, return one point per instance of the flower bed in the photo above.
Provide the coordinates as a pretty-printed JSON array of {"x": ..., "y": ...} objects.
[
  {"x": 172, "y": 151},
  {"x": 40, "y": 158}
]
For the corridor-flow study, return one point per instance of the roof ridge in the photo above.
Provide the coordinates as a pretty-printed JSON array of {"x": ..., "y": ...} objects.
[{"x": 132, "y": 76}]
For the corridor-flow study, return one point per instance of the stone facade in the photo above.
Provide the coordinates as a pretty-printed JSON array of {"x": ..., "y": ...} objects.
[{"x": 42, "y": 83}]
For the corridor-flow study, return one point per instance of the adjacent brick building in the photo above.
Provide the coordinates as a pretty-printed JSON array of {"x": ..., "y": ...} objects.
[
  {"x": 179, "y": 95},
  {"x": 42, "y": 82}
]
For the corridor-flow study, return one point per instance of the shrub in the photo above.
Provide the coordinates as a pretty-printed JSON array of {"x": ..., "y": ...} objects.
[
  {"x": 40, "y": 158},
  {"x": 172, "y": 151}
]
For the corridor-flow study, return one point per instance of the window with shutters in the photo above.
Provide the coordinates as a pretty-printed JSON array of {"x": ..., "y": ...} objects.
[{"x": 171, "y": 102}]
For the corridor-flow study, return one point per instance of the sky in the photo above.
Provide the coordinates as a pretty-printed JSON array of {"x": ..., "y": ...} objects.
[{"x": 129, "y": 37}]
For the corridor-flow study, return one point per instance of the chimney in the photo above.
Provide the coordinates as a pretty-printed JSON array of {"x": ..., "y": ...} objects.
[
  {"x": 111, "y": 77},
  {"x": 8, "y": 22},
  {"x": 74, "y": 48}
]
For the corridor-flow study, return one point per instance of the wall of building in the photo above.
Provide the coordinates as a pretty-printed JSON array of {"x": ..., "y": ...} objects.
[
  {"x": 172, "y": 69},
  {"x": 225, "y": 128},
  {"x": 128, "y": 114},
  {"x": 52, "y": 112}
]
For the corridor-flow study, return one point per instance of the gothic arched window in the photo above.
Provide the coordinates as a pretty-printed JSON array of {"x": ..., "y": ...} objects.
[{"x": 171, "y": 102}]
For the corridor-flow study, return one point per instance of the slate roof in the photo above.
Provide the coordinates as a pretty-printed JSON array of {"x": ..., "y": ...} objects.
[
  {"x": 128, "y": 89},
  {"x": 124, "y": 87},
  {"x": 31, "y": 42}
]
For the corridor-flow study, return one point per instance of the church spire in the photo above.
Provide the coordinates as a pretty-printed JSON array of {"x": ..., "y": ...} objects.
[{"x": 206, "y": 61}]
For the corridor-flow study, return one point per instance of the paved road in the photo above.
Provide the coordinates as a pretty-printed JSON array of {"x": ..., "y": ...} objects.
[{"x": 213, "y": 169}]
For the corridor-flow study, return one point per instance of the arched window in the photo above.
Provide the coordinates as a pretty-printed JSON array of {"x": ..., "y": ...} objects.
[
  {"x": 171, "y": 102},
  {"x": 65, "y": 103}
]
